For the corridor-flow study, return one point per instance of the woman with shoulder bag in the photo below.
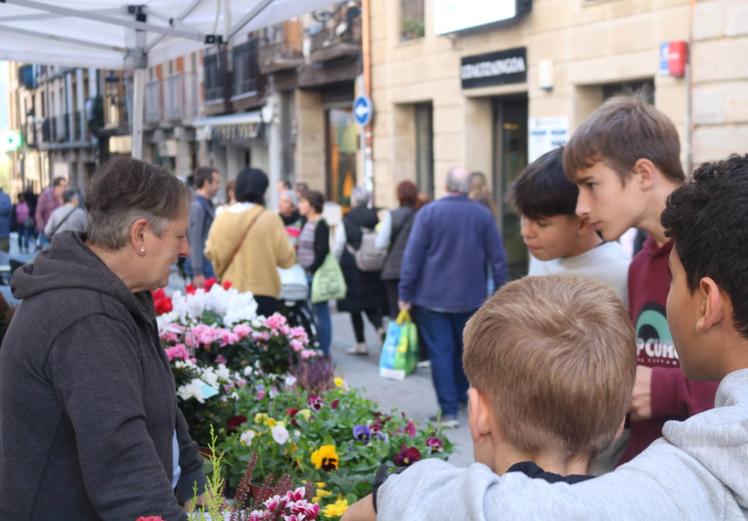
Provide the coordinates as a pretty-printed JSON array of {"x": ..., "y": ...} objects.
[
  {"x": 246, "y": 243},
  {"x": 365, "y": 288},
  {"x": 314, "y": 246}
]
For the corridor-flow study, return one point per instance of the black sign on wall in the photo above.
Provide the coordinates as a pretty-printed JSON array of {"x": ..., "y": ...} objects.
[{"x": 495, "y": 68}]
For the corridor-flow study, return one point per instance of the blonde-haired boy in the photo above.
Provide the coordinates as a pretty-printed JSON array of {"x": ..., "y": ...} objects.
[{"x": 551, "y": 365}]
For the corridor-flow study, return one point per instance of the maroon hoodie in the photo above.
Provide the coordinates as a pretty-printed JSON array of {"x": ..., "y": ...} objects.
[{"x": 674, "y": 397}]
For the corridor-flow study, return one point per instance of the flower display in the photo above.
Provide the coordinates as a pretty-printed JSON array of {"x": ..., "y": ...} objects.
[
  {"x": 326, "y": 458},
  {"x": 407, "y": 456},
  {"x": 337, "y": 509},
  {"x": 362, "y": 433},
  {"x": 279, "y": 433}
]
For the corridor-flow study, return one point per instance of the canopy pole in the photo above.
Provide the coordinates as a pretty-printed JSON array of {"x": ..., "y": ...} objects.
[{"x": 140, "y": 71}]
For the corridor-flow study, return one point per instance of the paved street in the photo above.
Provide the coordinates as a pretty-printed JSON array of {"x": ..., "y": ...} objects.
[{"x": 414, "y": 395}]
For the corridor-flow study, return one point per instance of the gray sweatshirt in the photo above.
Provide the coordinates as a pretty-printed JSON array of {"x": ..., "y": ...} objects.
[
  {"x": 697, "y": 471},
  {"x": 88, "y": 407}
]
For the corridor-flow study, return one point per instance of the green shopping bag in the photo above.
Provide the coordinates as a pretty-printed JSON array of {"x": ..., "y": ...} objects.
[
  {"x": 400, "y": 349},
  {"x": 328, "y": 282}
]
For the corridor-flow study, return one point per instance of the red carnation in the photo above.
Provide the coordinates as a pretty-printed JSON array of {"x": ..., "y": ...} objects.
[
  {"x": 209, "y": 283},
  {"x": 226, "y": 284}
]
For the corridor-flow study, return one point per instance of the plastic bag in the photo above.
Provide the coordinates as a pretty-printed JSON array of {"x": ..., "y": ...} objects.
[
  {"x": 328, "y": 282},
  {"x": 400, "y": 349}
]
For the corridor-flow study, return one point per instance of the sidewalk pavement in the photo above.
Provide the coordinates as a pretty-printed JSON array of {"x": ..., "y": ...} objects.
[{"x": 414, "y": 396}]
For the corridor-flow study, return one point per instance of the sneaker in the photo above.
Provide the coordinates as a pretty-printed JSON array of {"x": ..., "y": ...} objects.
[
  {"x": 358, "y": 349},
  {"x": 424, "y": 364},
  {"x": 445, "y": 421}
]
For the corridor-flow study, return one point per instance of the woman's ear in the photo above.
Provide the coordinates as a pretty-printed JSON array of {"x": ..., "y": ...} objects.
[{"x": 137, "y": 235}]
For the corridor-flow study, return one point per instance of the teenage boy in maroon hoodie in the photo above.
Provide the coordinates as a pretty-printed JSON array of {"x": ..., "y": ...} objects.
[{"x": 625, "y": 158}]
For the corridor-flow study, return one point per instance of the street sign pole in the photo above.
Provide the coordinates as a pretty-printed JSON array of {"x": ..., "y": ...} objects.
[{"x": 363, "y": 110}]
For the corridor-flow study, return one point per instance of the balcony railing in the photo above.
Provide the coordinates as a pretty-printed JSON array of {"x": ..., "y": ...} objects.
[
  {"x": 246, "y": 73},
  {"x": 62, "y": 128},
  {"x": 338, "y": 36},
  {"x": 181, "y": 97},
  {"x": 153, "y": 107},
  {"x": 282, "y": 47}
]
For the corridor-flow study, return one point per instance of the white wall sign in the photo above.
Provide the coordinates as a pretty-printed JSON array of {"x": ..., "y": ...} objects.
[
  {"x": 545, "y": 134},
  {"x": 451, "y": 16}
]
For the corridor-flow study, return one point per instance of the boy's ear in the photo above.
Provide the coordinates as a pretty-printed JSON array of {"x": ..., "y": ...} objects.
[
  {"x": 479, "y": 414},
  {"x": 645, "y": 173},
  {"x": 713, "y": 304},
  {"x": 584, "y": 225}
]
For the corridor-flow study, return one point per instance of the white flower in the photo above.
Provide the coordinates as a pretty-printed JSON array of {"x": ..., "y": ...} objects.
[
  {"x": 223, "y": 373},
  {"x": 290, "y": 380},
  {"x": 234, "y": 395},
  {"x": 192, "y": 390},
  {"x": 247, "y": 437},
  {"x": 280, "y": 434},
  {"x": 248, "y": 371},
  {"x": 210, "y": 377}
]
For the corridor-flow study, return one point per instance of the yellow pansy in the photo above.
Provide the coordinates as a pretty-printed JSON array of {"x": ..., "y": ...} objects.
[
  {"x": 319, "y": 494},
  {"x": 339, "y": 382},
  {"x": 270, "y": 422},
  {"x": 260, "y": 417},
  {"x": 304, "y": 413},
  {"x": 336, "y": 509},
  {"x": 326, "y": 458}
]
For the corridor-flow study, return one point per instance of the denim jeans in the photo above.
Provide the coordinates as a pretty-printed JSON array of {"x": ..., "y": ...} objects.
[
  {"x": 442, "y": 333},
  {"x": 207, "y": 270},
  {"x": 321, "y": 312}
]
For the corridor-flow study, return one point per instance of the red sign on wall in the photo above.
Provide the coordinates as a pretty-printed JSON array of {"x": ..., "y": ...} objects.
[{"x": 677, "y": 57}]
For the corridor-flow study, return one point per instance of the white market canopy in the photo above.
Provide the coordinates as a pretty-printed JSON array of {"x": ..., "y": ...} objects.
[{"x": 115, "y": 34}]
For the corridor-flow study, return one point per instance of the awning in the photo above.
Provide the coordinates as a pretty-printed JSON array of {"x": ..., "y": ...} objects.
[
  {"x": 116, "y": 34},
  {"x": 101, "y": 33},
  {"x": 243, "y": 125}
]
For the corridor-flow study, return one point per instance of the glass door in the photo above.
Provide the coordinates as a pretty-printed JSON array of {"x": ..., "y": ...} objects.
[
  {"x": 510, "y": 158},
  {"x": 342, "y": 144}
]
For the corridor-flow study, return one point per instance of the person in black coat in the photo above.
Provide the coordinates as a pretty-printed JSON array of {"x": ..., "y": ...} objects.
[{"x": 365, "y": 288}]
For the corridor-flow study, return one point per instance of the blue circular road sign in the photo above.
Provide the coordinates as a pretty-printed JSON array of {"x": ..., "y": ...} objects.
[{"x": 362, "y": 110}]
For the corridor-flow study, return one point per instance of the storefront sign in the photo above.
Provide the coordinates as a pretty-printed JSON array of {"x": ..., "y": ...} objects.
[
  {"x": 451, "y": 16},
  {"x": 545, "y": 134},
  {"x": 496, "y": 68}
]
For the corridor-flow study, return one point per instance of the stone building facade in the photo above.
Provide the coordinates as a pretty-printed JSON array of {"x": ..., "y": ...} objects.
[{"x": 461, "y": 97}]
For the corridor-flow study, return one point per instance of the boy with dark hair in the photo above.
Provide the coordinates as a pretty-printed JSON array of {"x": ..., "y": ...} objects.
[
  {"x": 625, "y": 158},
  {"x": 698, "y": 469},
  {"x": 560, "y": 241}
]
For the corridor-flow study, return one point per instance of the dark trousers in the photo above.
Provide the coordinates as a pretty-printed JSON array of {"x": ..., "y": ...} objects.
[
  {"x": 390, "y": 287},
  {"x": 266, "y": 306},
  {"x": 442, "y": 333},
  {"x": 374, "y": 316}
]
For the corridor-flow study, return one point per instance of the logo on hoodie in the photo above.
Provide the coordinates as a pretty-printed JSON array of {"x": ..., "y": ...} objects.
[{"x": 654, "y": 343}]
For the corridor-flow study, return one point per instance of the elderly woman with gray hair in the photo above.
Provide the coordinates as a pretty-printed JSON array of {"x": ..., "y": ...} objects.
[
  {"x": 88, "y": 409},
  {"x": 365, "y": 288}
]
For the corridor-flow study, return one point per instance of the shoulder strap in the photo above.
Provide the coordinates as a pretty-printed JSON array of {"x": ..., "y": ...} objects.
[
  {"x": 61, "y": 222},
  {"x": 241, "y": 241}
]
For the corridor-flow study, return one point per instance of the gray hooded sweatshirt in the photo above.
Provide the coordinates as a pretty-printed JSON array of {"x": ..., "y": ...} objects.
[
  {"x": 697, "y": 471},
  {"x": 88, "y": 409}
]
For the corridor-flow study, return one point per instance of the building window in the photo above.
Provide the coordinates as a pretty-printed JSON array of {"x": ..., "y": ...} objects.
[
  {"x": 246, "y": 69},
  {"x": 644, "y": 88},
  {"x": 213, "y": 83},
  {"x": 425, "y": 148},
  {"x": 412, "y": 24}
]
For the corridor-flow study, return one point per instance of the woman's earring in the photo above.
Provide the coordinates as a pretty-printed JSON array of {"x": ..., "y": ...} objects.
[{"x": 142, "y": 251}]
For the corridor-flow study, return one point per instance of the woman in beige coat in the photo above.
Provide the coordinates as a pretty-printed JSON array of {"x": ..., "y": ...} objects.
[{"x": 247, "y": 243}]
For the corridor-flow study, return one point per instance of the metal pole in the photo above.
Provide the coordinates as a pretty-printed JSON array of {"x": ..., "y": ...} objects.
[{"x": 138, "y": 104}]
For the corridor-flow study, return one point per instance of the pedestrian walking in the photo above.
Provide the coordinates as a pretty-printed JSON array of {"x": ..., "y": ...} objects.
[
  {"x": 6, "y": 213},
  {"x": 480, "y": 192},
  {"x": 247, "y": 243},
  {"x": 393, "y": 236},
  {"x": 365, "y": 293},
  {"x": 68, "y": 217},
  {"x": 202, "y": 213},
  {"x": 443, "y": 277},
  {"x": 48, "y": 201},
  {"x": 314, "y": 246},
  {"x": 89, "y": 423},
  {"x": 24, "y": 222}
]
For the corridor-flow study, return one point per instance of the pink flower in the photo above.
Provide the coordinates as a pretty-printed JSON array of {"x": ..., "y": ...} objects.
[
  {"x": 178, "y": 352},
  {"x": 297, "y": 345},
  {"x": 261, "y": 336},
  {"x": 228, "y": 337},
  {"x": 275, "y": 321},
  {"x": 435, "y": 444},
  {"x": 410, "y": 429},
  {"x": 205, "y": 334},
  {"x": 298, "y": 333},
  {"x": 308, "y": 353},
  {"x": 296, "y": 495},
  {"x": 261, "y": 394},
  {"x": 220, "y": 359},
  {"x": 242, "y": 330},
  {"x": 170, "y": 336}
]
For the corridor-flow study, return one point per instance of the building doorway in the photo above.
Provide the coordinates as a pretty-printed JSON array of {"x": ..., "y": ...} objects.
[
  {"x": 510, "y": 158},
  {"x": 424, "y": 123},
  {"x": 341, "y": 145}
]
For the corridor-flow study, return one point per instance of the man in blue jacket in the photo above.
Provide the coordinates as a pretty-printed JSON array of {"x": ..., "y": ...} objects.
[{"x": 443, "y": 276}]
